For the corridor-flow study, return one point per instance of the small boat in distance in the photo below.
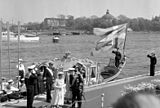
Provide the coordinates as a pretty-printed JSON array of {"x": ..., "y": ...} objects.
[
  {"x": 24, "y": 37},
  {"x": 55, "y": 39}
]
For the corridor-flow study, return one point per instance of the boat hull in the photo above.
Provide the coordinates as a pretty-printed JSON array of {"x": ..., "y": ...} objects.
[{"x": 22, "y": 38}]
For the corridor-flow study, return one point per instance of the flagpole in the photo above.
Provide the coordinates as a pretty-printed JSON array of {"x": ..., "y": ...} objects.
[
  {"x": 125, "y": 39},
  {"x": 8, "y": 39},
  {"x": 1, "y": 47},
  {"x": 18, "y": 48}
]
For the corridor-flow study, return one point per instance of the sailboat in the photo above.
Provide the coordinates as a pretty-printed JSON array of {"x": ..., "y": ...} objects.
[
  {"x": 25, "y": 37},
  {"x": 115, "y": 39}
]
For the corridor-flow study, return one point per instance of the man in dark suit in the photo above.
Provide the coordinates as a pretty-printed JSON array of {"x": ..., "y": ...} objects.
[
  {"x": 117, "y": 57},
  {"x": 48, "y": 80},
  {"x": 77, "y": 88},
  {"x": 153, "y": 61},
  {"x": 30, "y": 84}
]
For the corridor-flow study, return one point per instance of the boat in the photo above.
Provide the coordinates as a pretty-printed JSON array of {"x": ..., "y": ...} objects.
[
  {"x": 112, "y": 71},
  {"x": 94, "y": 70},
  {"x": 24, "y": 37},
  {"x": 94, "y": 76},
  {"x": 55, "y": 39}
]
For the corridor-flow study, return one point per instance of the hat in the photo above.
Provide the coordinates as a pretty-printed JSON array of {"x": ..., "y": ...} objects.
[
  {"x": 71, "y": 69},
  {"x": 68, "y": 52},
  {"x": 31, "y": 67},
  {"x": 46, "y": 64},
  {"x": 10, "y": 81},
  {"x": 65, "y": 70},
  {"x": 60, "y": 73},
  {"x": 22, "y": 79},
  {"x": 18, "y": 76},
  {"x": 152, "y": 54},
  {"x": 20, "y": 59},
  {"x": 79, "y": 62},
  {"x": 51, "y": 63},
  {"x": 93, "y": 66}
]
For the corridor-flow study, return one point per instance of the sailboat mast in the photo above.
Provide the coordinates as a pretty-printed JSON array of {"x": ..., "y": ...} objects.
[
  {"x": 1, "y": 48},
  {"x": 125, "y": 39},
  {"x": 18, "y": 42},
  {"x": 18, "y": 48},
  {"x": 8, "y": 39}
]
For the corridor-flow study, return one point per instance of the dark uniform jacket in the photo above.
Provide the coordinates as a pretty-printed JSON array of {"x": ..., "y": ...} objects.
[
  {"x": 47, "y": 76},
  {"x": 118, "y": 55},
  {"x": 153, "y": 60},
  {"x": 77, "y": 83}
]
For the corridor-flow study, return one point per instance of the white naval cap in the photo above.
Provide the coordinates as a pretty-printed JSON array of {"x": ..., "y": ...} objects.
[
  {"x": 20, "y": 59},
  {"x": 31, "y": 67},
  {"x": 72, "y": 69},
  {"x": 10, "y": 81}
]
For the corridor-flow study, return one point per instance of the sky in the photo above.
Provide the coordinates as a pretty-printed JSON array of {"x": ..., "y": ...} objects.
[{"x": 36, "y": 10}]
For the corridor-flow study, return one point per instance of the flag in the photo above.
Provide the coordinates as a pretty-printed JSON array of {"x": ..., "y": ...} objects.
[
  {"x": 114, "y": 37},
  {"x": 103, "y": 32}
]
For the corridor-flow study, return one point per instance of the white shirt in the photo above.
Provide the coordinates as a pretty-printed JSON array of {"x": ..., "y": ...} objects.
[{"x": 21, "y": 67}]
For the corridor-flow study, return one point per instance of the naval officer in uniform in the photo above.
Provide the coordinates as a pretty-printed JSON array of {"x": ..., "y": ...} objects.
[
  {"x": 117, "y": 57},
  {"x": 31, "y": 80},
  {"x": 153, "y": 61}
]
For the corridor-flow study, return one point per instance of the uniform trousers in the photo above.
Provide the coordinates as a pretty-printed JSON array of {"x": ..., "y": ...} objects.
[
  {"x": 48, "y": 90},
  {"x": 30, "y": 96},
  {"x": 117, "y": 62},
  {"x": 76, "y": 96},
  {"x": 152, "y": 70}
]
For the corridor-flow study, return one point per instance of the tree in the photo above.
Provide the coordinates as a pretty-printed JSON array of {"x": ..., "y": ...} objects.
[
  {"x": 61, "y": 16},
  {"x": 123, "y": 18},
  {"x": 93, "y": 17},
  {"x": 70, "y": 17},
  {"x": 70, "y": 22}
]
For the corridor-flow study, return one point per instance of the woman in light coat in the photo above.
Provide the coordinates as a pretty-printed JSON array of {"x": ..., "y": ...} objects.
[{"x": 60, "y": 88}]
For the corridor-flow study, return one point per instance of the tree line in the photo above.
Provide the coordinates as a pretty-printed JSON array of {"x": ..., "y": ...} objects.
[{"x": 87, "y": 24}]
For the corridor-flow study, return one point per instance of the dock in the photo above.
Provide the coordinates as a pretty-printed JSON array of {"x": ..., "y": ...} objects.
[{"x": 111, "y": 91}]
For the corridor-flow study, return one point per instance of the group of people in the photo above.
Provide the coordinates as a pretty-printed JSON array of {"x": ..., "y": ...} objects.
[
  {"x": 39, "y": 80},
  {"x": 46, "y": 78},
  {"x": 13, "y": 89},
  {"x": 152, "y": 56}
]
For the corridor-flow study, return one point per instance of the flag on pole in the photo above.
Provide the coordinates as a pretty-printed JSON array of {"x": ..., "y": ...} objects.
[{"x": 114, "y": 38}]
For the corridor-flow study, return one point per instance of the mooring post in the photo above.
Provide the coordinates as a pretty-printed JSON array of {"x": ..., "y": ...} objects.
[{"x": 102, "y": 100}]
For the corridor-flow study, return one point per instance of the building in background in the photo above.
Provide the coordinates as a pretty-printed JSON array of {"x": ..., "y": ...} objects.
[{"x": 55, "y": 22}]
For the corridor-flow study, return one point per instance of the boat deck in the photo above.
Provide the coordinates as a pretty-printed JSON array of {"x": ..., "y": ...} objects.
[{"x": 92, "y": 93}]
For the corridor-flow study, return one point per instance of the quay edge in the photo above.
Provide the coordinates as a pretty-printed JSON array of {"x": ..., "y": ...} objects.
[{"x": 112, "y": 90}]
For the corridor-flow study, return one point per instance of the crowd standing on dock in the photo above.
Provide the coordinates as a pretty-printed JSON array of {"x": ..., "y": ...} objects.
[
  {"x": 57, "y": 83},
  {"x": 43, "y": 78}
]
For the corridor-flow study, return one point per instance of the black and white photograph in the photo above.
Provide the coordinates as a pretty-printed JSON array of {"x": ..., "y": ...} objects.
[{"x": 79, "y": 54}]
